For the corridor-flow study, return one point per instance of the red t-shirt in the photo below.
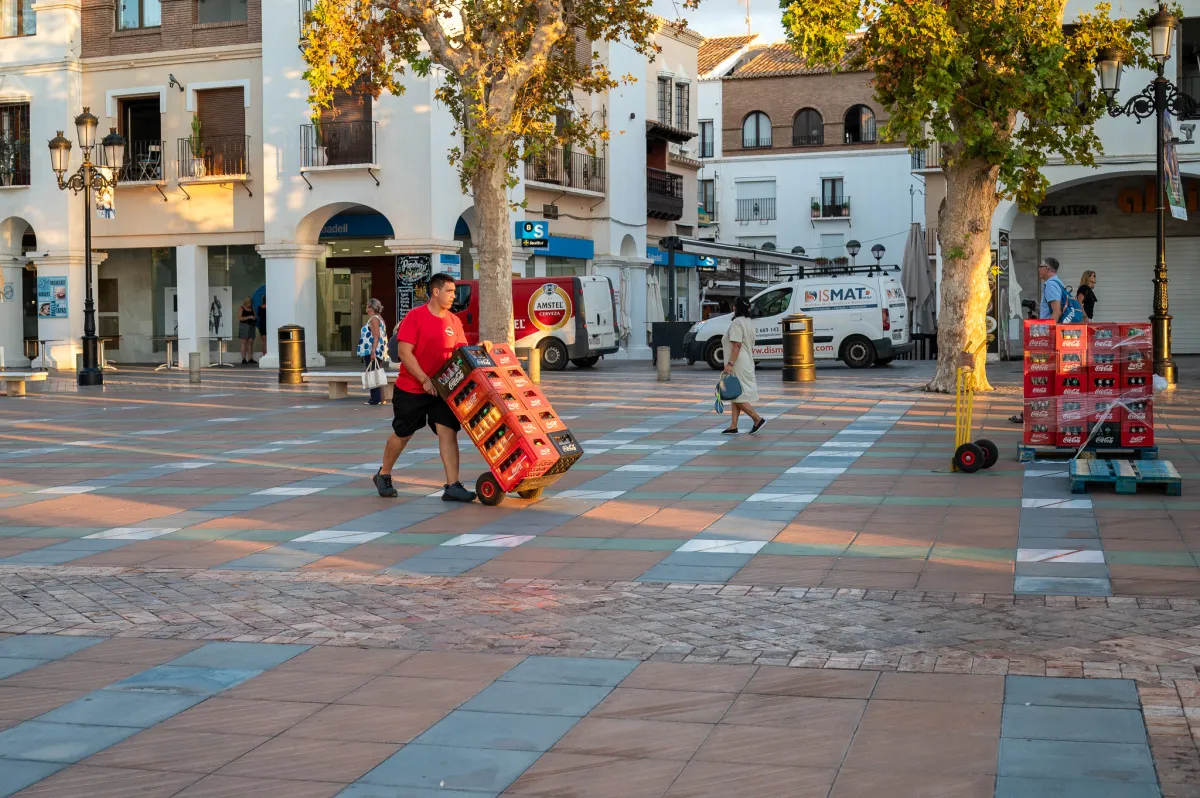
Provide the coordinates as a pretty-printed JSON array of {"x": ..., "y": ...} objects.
[{"x": 433, "y": 340}]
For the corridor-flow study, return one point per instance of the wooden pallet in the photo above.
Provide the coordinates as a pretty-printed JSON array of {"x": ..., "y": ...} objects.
[
  {"x": 1027, "y": 453},
  {"x": 1125, "y": 475}
]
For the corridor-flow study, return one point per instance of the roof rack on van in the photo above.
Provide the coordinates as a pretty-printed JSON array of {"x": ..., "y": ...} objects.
[{"x": 832, "y": 270}]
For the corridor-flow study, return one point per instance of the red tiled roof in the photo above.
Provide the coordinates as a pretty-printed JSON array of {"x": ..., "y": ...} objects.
[
  {"x": 717, "y": 49},
  {"x": 780, "y": 59}
]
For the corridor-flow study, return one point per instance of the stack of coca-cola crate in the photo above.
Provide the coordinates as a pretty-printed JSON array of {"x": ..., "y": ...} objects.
[
  {"x": 1088, "y": 384},
  {"x": 509, "y": 419}
]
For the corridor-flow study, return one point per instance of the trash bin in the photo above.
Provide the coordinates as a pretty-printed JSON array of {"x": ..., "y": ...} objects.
[
  {"x": 291, "y": 354},
  {"x": 799, "y": 363}
]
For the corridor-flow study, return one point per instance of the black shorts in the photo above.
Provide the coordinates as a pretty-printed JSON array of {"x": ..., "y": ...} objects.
[{"x": 411, "y": 411}]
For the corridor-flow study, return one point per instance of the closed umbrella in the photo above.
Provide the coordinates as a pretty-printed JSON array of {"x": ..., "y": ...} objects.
[
  {"x": 918, "y": 288},
  {"x": 624, "y": 323},
  {"x": 654, "y": 304}
]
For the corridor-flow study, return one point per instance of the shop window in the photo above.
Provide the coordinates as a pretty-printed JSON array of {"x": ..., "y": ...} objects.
[
  {"x": 132, "y": 14},
  {"x": 210, "y": 11},
  {"x": 17, "y": 18},
  {"x": 108, "y": 318},
  {"x": 860, "y": 125}
]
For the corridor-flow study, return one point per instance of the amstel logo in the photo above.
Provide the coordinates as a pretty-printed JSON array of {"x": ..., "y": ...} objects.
[{"x": 550, "y": 308}]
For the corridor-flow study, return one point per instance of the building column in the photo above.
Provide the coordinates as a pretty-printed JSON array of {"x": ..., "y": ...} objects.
[
  {"x": 65, "y": 334},
  {"x": 631, "y": 304},
  {"x": 292, "y": 296},
  {"x": 191, "y": 281}
]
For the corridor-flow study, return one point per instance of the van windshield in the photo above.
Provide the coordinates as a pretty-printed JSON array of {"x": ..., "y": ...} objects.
[
  {"x": 771, "y": 303},
  {"x": 462, "y": 298}
]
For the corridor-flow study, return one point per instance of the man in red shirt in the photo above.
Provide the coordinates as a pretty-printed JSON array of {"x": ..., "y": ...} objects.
[{"x": 428, "y": 336}]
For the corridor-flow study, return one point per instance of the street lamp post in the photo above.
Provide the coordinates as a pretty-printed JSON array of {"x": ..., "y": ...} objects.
[
  {"x": 1156, "y": 100},
  {"x": 852, "y": 249},
  {"x": 878, "y": 251},
  {"x": 86, "y": 180}
]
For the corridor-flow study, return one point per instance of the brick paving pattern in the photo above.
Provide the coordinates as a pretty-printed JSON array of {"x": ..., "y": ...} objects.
[{"x": 833, "y": 545}]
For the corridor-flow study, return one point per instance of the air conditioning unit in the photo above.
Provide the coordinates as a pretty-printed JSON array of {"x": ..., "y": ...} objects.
[{"x": 550, "y": 211}]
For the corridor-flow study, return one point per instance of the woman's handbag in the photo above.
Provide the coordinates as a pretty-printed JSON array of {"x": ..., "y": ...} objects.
[
  {"x": 729, "y": 388},
  {"x": 374, "y": 376}
]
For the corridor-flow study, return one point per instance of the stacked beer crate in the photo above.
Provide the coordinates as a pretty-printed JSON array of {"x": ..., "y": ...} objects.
[
  {"x": 525, "y": 443},
  {"x": 1088, "y": 385}
]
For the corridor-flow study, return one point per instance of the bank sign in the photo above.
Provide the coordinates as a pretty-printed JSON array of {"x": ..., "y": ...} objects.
[{"x": 850, "y": 297}]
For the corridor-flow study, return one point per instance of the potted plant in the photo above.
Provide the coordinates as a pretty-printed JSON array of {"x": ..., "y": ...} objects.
[
  {"x": 816, "y": 209},
  {"x": 846, "y": 208},
  {"x": 196, "y": 146},
  {"x": 821, "y": 261},
  {"x": 321, "y": 154},
  {"x": 841, "y": 260}
]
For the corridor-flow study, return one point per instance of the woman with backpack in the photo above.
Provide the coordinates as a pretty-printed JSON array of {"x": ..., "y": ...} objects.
[{"x": 372, "y": 343}]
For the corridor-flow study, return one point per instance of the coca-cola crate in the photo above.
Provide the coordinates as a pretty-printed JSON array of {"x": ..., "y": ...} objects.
[
  {"x": 1073, "y": 434},
  {"x": 1103, "y": 384},
  {"x": 1071, "y": 384},
  {"x": 500, "y": 440},
  {"x": 1135, "y": 434},
  {"x": 1140, "y": 410},
  {"x": 1135, "y": 361},
  {"x": 1041, "y": 362},
  {"x": 517, "y": 378},
  {"x": 549, "y": 421},
  {"x": 1041, "y": 432},
  {"x": 1071, "y": 362},
  {"x": 504, "y": 357},
  {"x": 1039, "y": 386},
  {"x": 460, "y": 364},
  {"x": 533, "y": 399},
  {"x": 1135, "y": 386},
  {"x": 1134, "y": 335},
  {"x": 1039, "y": 335},
  {"x": 1070, "y": 337},
  {"x": 483, "y": 421},
  {"x": 467, "y": 398},
  {"x": 1104, "y": 409},
  {"x": 529, "y": 457},
  {"x": 1073, "y": 410},
  {"x": 494, "y": 377},
  {"x": 1041, "y": 409},
  {"x": 1102, "y": 364},
  {"x": 509, "y": 401},
  {"x": 523, "y": 420},
  {"x": 1102, "y": 336},
  {"x": 1104, "y": 434},
  {"x": 568, "y": 449}
]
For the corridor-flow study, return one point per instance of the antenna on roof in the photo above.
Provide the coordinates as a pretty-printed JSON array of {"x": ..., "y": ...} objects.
[{"x": 747, "y": 2}]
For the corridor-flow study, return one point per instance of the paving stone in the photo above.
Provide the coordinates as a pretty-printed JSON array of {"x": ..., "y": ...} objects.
[
  {"x": 498, "y": 730},
  {"x": 537, "y": 699},
  {"x": 1073, "y": 723},
  {"x": 451, "y": 768},
  {"x": 138, "y": 710},
  {"x": 1015, "y": 787},
  {"x": 57, "y": 742},
  {"x": 1052, "y": 759},
  {"x": 1057, "y": 692},
  {"x": 570, "y": 670}
]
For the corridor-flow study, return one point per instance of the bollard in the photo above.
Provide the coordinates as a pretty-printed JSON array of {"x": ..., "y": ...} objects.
[
  {"x": 533, "y": 362},
  {"x": 194, "y": 368},
  {"x": 662, "y": 361},
  {"x": 799, "y": 363},
  {"x": 78, "y": 362},
  {"x": 291, "y": 354}
]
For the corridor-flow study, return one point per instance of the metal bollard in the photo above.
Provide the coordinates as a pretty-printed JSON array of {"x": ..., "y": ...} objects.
[
  {"x": 662, "y": 362},
  {"x": 78, "y": 362},
  {"x": 799, "y": 363},
  {"x": 194, "y": 368}
]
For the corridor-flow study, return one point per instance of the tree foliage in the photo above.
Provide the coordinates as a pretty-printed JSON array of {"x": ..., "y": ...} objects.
[{"x": 1000, "y": 84}]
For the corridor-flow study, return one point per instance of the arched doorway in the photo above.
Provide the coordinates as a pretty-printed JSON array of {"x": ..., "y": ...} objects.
[{"x": 18, "y": 290}]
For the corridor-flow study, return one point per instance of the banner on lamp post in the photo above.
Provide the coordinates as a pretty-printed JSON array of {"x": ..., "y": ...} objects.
[
  {"x": 1174, "y": 185},
  {"x": 104, "y": 196}
]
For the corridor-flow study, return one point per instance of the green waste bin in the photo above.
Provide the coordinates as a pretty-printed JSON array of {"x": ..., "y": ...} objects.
[{"x": 291, "y": 354}]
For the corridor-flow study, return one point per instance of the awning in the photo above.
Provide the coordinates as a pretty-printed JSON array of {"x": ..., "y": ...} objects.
[{"x": 664, "y": 132}]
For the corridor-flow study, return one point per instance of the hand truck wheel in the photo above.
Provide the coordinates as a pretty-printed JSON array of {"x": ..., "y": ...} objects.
[
  {"x": 991, "y": 452},
  {"x": 487, "y": 487},
  {"x": 968, "y": 458},
  {"x": 532, "y": 493}
]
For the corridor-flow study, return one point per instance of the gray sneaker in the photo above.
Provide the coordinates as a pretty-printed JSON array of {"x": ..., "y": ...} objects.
[
  {"x": 383, "y": 484},
  {"x": 457, "y": 493}
]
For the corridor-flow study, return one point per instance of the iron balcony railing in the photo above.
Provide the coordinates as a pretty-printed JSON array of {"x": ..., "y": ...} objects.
[
  {"x": 663, "y": 183},
  {"x": 928, "y": 158},
  {"x": 143, "y": 162},
  {"x": 807, "y": 139},
  {"x": 755, "y": 210},
  {"x": 214, "y": 156},
  {"x": 830, "y": 207},
  {"x": 567, "y": 168},
  {"x": 14, "y": 161},
  {"x": 338, "y": 144}
]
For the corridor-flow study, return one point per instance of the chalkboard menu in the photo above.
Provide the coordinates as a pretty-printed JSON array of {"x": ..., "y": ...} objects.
[{"x": 412, "y": 282}]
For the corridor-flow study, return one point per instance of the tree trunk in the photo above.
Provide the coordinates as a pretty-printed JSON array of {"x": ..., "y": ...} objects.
[
  {"x": 964, "y": 227},
  {"x": 494, "y": 265}
]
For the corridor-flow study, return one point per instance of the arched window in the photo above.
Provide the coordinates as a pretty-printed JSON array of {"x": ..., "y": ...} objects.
[
  {"x": 860, "y": 125},
  {"x": 756, "y": 131},
  {"x": 808, "y": 129}
]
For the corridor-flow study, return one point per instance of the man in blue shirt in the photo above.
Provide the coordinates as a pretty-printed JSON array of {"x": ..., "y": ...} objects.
[{"x": 1053, "y": 291}]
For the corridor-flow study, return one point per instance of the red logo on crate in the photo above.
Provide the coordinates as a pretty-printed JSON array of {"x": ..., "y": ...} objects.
[
  {"x": 1140, "y": 410},
  {"x": 1070, "y": 384},
  {"x": 549, "y": 422},
  {"x": 1136, "y": 434},
  {"x": 1040, "y": 385},
  {"x": 503, "y": 356},
  {"x": 517, "y": 378},
  {"x": 511, "y": 403},
  {"x": 1135, "y": 361},
  {"x": 1072, "y": 410},
  {"x": 1107, "y": 433},
  {"x": 1104, "y": 410},
  {"x": 1071, "y": 435},
  {"x": 1041, "y": 409},
  {"x": 1041, "y": 362},
  {"x": 1103, "y": 385},
  {"x": 1070, "y": 337},
  {"x": 534, "y": 399},
  {"x": 1135, "y": 385},
  {"x": 1040, "y": 432},
  {"x": 1102, "y": 336},
  {"x": 1102, "y": 363},
  {"x": 1039, "y": 334},
  {"x": 496, "y": 380},
  {"x": 526, "y": 424},
  {"x": 1073, "y": 362},
  {"x": 1134, "y": 335}
]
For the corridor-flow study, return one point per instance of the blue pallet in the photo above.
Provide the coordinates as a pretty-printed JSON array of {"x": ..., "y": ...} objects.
[
  {"x": 1027, "y": 453},
  {"x": 1125, "y": 475}
]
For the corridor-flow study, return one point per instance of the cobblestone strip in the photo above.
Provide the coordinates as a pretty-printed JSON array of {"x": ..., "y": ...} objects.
[{"x": 1059, "y": 551}]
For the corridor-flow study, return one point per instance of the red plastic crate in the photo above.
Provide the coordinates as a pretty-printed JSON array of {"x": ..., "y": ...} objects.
[
  {"x": 1041, "y": 409},
  {"x": 1134, "y": 335},
  {"x": 1073, "y": 362},
  {"x": 1041, "y": 385},
  {"x": 1102, "y": 336},
  {"x": 1039, "y": 335},
  {"x": 1071, "y": 384},
  {"x": 1102, "y": 364},
  {"x": 467, "y": 398},
  {"x": 484, "y": 420},
  {"x": 1135, "y": 386},
  {"x": 1103, "y": 384},
  {"x": 1104, "y": 409},
  {"x": 1140, "y": 410},
  {"x": 504, "y": 357},
  {"x": 549, "y": 421},
  {"x": 1073, "y": 410},
  {"x": 1072, "y": 434},
  {"x": 509, "y": 401},
  {"x": 1105, "y": 434},
  {"x": 517, "y": 378},
  {"x": 1136, "y": 434},
  {"x": 1041, "y": 432},
  {"x": 500, "y": 440},
  {"x": 533, "y": 399},
  {"x": 1041, "y": 362},
  {"x": 523, "y": 420},
  {"x": 1136, "y": 361},
  {"x": 1070, "y": 337}
]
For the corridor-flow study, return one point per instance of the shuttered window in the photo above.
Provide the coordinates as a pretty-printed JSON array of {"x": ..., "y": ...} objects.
[
  {"x": 222, "y": 112},
  {"x": 348, "y": 107}
]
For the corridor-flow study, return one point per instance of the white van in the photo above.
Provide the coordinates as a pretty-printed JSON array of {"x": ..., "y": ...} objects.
[{"x": 860, "y": 316}]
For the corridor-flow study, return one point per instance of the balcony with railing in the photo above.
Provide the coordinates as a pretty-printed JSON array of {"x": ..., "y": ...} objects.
[
  {"x": 664, "y": 194},
  {"x": 564, "y": 168},
  {"x": 143, "y": 162},
  {"x": 214, "y": 158},
  {"x": 338, "y": 144},
  {"x": 14, "y": 161},
  {"x": 755, "y": 210},
  {"x": 830, "y": 207},
  {"x": 928, "y": 159}
]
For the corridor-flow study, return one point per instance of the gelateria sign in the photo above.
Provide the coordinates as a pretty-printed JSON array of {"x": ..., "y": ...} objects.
[{"x": 1068, "y": 210}]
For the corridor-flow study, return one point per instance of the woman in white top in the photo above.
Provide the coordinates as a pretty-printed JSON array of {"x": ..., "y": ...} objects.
[
  {"x": 737, "y": 344},
  {"x": 372, "y": 342}
]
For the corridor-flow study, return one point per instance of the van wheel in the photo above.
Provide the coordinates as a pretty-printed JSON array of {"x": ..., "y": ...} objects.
[
  {"x": 554, "y": 355},
  {"x": 586, "y": 362},
  {"x": 858, "y": 352},
  {"x": 884, "y": 361},
  {"x": 714, "y": 355}
]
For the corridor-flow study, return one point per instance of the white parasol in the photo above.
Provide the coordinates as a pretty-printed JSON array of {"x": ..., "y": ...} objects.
[{"x": 915, "y": 279}]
